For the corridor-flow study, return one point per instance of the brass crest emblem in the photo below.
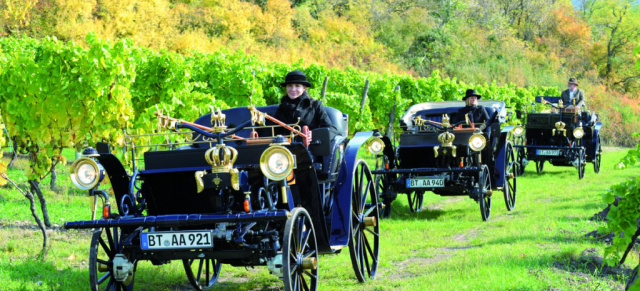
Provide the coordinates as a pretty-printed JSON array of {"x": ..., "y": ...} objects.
[
  {"x": 559, "y": 128},
  {"x": 446, "y": 139},
  {"x": 221, "y": 158}
]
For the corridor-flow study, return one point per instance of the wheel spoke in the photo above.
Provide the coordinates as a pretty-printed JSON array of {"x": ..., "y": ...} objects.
[
  {"x": 106, "y": 247},
  {"x": 199, "y": 271},
  {"x": 370, "y": 210},
  {"x": 303, "y": 282},
  {"x": 365, "y": 196},
  {"x": 305, "y": 241},
  {"x": 309, "y": 254},
  {"x": 371, "y": 231},
  {"x": 110, "y": 240},
  {"x": 106, "y": 275}
]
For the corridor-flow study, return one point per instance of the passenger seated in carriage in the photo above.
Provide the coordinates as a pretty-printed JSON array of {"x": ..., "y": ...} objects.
[
  {"x": 298, "y": 104},
  {"x": 476, "y": 113},
  {"x": 573, "y": 95}
]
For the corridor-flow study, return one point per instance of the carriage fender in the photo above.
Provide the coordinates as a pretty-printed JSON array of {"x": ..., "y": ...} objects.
[
  {"x": 341, "y": 216},
  {"x": 500, "y": 159},
  {"x": 117, "y": 175}
]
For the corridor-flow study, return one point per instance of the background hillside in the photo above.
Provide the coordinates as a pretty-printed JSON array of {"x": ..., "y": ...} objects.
[{"x": 519, "y": 43}]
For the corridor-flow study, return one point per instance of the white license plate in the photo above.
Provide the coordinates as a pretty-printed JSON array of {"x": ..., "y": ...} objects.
[
  {"x": 176, "y": 240},
  {"x": 422, "y": 182},
  {"x": 548, "y": 152}
]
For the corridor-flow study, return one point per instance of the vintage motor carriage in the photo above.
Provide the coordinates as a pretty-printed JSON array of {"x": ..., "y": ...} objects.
[
  {"x": 448, "y": 159},
  {"x": 564, "y": 135},
  {"x": 234, "y": 193}
]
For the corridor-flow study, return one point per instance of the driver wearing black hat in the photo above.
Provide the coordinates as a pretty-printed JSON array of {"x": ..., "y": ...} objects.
[
  {"x": 298, "y": 104},
  {"x": 476, "y": 113}
]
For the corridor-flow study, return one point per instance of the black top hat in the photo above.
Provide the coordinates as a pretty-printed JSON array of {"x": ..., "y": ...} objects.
[
  {"x": 471, "y": 92},
  {"x": 296, "y": 77},
  {"x": 573, "y": 81}
]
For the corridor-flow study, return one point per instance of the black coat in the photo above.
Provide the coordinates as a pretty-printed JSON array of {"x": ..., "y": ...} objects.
[
  {"x": 311, "y": 112},
  {"x": 578, "y": 96},
  {"x": 477, "y": 114}
]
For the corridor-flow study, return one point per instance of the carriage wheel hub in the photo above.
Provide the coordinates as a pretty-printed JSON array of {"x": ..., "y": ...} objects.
[
  {"x": 511, "y": 175},
  {"x": 309, "y": 263},
  {"x": 370, "y": 221},
  {"x": 489, "y": 192},
  {"x": 122, "y": 268}
]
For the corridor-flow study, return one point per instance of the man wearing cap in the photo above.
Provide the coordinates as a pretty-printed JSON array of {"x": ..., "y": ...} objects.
[
  {"x": 298, "y": 104},
  {"x": 573, "y": 93},
  {"x": 476, "y": 113}
]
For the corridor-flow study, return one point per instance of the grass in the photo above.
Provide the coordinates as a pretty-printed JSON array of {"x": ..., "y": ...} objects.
[{"x": 446, "y": 246}]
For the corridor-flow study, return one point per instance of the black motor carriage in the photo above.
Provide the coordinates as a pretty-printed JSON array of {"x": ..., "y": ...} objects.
[
  {"x": 563, "y": 135},
  {"x": 448, "y": 159},
  {"x": 229, "y": 190}
]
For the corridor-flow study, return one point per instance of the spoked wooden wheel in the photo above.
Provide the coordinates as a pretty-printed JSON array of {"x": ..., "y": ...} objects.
[
  {"x": 202, "y": 273},
  {"x": 364, "y": 245},
  {"x": 598, "y": 157},
  {"x": 582, "y": 164},
  {"x": 382, "y": 186},
  {"x": 511, "y": 174},
  {"x": 415, "y": 200},
  {"x": 485, "y": 193},
  {"x": 539, "y": 166},
  {"x": 300, "y": 252},
  {"x": 106, "y": 245},
  {"x": 520, "y": 158}
]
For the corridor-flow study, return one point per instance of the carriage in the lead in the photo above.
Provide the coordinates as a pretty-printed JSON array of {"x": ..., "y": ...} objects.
[
  {"x": 234, "y": 193},
  {"x": 448, "y": 159},
  {"x": 562, "y": 135}
]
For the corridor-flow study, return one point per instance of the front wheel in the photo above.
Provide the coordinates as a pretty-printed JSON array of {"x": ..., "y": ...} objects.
[
  {"x": 582, "y": 164},
  {"x": 203, "y": 274},
  {"x": 109, "y": 267},
  {"x": 539, "y": 166},
  {"x": 300, "y": 252},
  {"x": 485, "y": 192},
  {"x": 364, "y": 244},
  {"x": 415, "y": 200},
  {"x": 510, "y": 177}
]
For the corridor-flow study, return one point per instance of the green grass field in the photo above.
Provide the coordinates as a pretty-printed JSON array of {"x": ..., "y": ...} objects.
[{"x": 446, "y": 246}]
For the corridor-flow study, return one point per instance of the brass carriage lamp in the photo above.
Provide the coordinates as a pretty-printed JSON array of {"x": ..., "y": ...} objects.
[
  {"x": 86, "y": 172},
  {"x": 578, "y": 132},
  {"x": 518, "y": 130}
]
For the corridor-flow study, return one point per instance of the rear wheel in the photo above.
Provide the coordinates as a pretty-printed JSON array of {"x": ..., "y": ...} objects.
[
  {"x": 203, "y": 274},
  {"x": 596, "y": 160},
  {"x": 364, "y": 245},
  {"x": 106, "y": 246},
  {"x": 539, "y": 166},
  {"x": 485, "y": 192},
  {"x": 299, "y": 252},
  {"x": 510, "y": 173},
  {"x": 415, "y": 200},
  {"x": 382, "y": 186}
]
